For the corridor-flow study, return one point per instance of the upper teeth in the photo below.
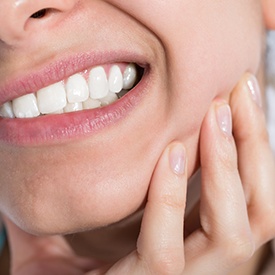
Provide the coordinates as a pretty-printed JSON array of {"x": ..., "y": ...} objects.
[{"x": 74, "y": 94}]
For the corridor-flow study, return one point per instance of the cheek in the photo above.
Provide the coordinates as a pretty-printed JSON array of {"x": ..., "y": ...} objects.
[
  {"x": 211, "y": 55},
  {"x": 208, "y": 59},
  {"x": 212, "y": 52}
]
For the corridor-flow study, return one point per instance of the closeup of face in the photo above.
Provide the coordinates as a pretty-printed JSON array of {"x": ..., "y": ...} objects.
[{"x": 73, "y": 171}]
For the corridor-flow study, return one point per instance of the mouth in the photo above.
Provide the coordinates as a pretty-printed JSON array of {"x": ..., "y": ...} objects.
[
  {"x": 76, "y": 105},
  {"x": 95, "y": 88}
]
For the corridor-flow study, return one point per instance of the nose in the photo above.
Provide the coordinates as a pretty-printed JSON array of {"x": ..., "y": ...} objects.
[{"x": 18, "y": 16}]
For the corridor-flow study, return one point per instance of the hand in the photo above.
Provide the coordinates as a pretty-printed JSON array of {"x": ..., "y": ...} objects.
[
  {"x": 237, "y": 196},
  {"x": 236, "y": 203},
  {"x": 255, "y": 159}
]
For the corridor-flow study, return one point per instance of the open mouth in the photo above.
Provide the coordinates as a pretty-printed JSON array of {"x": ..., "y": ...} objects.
[
  {"x": 91, "y": 89},
  {"x": 78, "y": 105}
]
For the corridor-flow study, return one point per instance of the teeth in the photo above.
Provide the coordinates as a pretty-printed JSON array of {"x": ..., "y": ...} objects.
[
  {"x": 98, "y": 83},
  {"x": 77, "y": 89},
  {"x": 115, "y": 80},
  {"x": 25, "y": 106},
  {"x": 78, "y": 93},
  {"x": 109, "y": 99},
  {"x": 91, "y": 104},
  {"x": 6, "y": 110},
  {"x": 51, "y": 98},
  {"x": 73, "y": 107},
  {"x": 58, "y": 112},
  {"x": 129, "y": 77}
]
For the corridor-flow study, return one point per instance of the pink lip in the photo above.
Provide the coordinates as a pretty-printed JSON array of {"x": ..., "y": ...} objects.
[{"x": 56, "y": 128}]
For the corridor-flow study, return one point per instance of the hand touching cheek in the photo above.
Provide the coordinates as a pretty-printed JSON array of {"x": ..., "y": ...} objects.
[{"x": 236, "y": 205}]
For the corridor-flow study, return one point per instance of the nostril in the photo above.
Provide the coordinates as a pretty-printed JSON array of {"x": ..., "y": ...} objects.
[
  {"x": 25, "y": 18},
  {"x": 39, "y": 14}
]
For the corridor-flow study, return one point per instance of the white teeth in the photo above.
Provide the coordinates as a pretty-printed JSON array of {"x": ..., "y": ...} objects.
[
  {"x": 51, "y": 98},
  {"x": 129, "y": 77},
  {"x": 58, "y": 112},
  {"x": 107, "y": 100},
  {"x": 6, "y": 110},
  {"x": 91, "y": 104},
  {"x": 78, "y": 93},
  {"x": 115, "y": 79},
  {"x": 98, "y": 83},
  {"x": 25, "y": 106},
  {"x": 73, "y": 107},
  {"x": 77, "y": 89}
]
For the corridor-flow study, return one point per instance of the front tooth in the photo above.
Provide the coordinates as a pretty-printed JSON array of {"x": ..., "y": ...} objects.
[
  {"x": 73, "y": 107},
  {"x": 25, "y": 106},
  {"x": 98, "y": 83},
  {"x": 58, "y": 112},
  {"x": 77, "y": 89},
  {"x": 6, "y": 110},
  {"x": 51, "y": 98},
  {"x": 115, "y": 79},
  {"x": 129, "y": 77}
]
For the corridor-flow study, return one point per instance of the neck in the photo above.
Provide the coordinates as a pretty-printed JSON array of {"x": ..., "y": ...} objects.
[{"x": 110, "y": 243}]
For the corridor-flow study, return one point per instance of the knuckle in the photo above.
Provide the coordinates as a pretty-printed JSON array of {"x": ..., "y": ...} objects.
[
  {"x": 172, "y": 202},
  {"x": 239, "y": 249},
  {"x": 172, "y": 198},
  {"x": 167, "y": 263},
  {"x": 224, "y": 156}
]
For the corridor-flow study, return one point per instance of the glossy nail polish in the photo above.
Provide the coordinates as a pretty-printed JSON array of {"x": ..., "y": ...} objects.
[
  {"x": 177, "y": 159},
  {"x": 254, "y": 89},
  {"x": 224, "y": 118}
]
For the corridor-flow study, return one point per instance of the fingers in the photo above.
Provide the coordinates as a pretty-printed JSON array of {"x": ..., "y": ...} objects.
[
  {"x": 255, "y": 158},
  {"x": 225, "y": 239},
  {"x": 160, "y": 243},
  {"x": 221, "y": 183}
]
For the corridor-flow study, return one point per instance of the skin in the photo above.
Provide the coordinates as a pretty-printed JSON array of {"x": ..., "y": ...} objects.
[
  {"x": 188, "y": 78},
  {"x": 228, "y": 235},
  {"x": 184, "y": 81}
]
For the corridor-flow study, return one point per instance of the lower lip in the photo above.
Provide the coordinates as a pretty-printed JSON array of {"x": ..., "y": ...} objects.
[{"x": 51, "y": 129}]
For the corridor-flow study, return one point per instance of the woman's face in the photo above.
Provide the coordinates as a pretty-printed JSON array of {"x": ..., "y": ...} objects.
[{"x": 75, "y": 171}]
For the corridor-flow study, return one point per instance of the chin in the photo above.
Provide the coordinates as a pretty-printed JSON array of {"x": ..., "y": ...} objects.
[{"x": 53, "y": 203}]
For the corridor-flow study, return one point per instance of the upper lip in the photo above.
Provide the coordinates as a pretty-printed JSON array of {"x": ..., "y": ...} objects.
[{"x": 61, "y": 69}]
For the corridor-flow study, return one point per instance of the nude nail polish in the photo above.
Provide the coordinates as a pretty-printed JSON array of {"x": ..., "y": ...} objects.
[
  {"x": 224, "y": 118},
  {"x": 177, "y": 159},
  {"x": 254, "y": 89}
]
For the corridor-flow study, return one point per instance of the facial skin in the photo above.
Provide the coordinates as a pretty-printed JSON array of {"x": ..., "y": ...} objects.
[{"x": 196, "y": 51}]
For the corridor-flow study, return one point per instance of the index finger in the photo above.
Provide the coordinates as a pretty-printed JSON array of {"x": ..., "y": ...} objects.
[{"x": 161, "y": 238}]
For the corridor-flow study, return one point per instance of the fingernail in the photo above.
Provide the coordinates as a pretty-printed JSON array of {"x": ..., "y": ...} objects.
[
  {"x": 254, "y": 89},
  {"x": 224, "y": 118},
  {"x": 177, "y": 159}
]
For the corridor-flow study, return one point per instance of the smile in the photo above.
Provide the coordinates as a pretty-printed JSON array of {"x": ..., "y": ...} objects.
[
  {"x": 72, "y": 98},
  {"x": 94, "y": 88}
]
